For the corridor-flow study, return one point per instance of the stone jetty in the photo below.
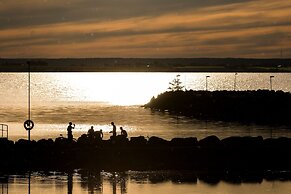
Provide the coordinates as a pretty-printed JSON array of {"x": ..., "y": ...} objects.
[{"x": 154, "y": 153}]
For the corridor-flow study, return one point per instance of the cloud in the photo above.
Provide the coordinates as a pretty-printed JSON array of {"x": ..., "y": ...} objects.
[
  {"x": 161, "y": 28},
  {"x": 15, "y": 13}
]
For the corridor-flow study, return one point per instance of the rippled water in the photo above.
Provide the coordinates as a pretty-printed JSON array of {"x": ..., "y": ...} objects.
[
  {"x": 135, "y": 182},
  {"x": 99, "y": 98}
]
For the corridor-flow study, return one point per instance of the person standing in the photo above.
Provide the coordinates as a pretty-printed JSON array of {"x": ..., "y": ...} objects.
[
  {"x": 90, "y": 132},
  {"x": 70, "y": 132},
  {"x": 113, "y": 130}
]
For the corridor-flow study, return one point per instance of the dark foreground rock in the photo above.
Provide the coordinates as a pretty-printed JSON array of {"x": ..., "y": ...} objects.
[
  {"x": 138, "y": 153},
  {"x": 261, "y": 106}
]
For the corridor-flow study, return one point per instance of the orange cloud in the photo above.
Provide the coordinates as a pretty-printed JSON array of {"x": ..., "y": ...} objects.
[{"x": 247, "y": 29}]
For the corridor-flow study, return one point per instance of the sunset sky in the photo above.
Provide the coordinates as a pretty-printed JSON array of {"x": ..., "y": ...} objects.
[{"x": 145, "y": 28}]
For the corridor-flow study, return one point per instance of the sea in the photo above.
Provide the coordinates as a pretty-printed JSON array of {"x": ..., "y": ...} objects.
[
  {"x": 96, "y": 99},
  {"x": 132, "y": 182}
]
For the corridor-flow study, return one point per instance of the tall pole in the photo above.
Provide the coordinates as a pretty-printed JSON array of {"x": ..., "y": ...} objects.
[
  {"x": 185, "y": 83},
  {"x": 234, "y": 84},
  {"x": 28, "y": 124},
  {"x": 28, "y": 98},
  {"x": 206, "y": 82},
  {"x": 271, "y": 84}
]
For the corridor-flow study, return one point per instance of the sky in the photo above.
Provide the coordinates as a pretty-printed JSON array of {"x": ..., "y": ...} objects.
[{"x": 145, "y": 28}]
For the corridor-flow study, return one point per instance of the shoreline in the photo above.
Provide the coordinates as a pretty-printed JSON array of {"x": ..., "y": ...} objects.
[{"x": 145, "y": 65}]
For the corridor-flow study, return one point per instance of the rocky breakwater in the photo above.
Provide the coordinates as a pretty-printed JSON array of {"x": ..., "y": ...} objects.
[
  {"x": 154, "y": 153},
  {"x": 261, "y": 106}
]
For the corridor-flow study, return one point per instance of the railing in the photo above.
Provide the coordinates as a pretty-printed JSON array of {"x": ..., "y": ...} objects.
[
  {"x": 4, "y": 184},
  {"x": 4, "y": 188},
  {"x": 4, "y": 131}
]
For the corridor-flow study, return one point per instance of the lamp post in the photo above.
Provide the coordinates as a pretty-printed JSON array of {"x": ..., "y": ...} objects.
[
  {"x": 234, "y": 83},
  {"x": 271, "y": 84},
  {"x": 28, "y": 98},
  {"x": 206, "y": 82},
  {"x": 28, "y": 124}
]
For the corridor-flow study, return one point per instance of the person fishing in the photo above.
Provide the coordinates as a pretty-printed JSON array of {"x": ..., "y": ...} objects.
[
  {"x": 113, "y": 130},
  {"x": 70, "y": 132}
]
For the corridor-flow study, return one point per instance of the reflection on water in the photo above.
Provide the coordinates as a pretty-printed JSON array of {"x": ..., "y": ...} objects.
[
  {"x": 52, "y": 121},
  {"x": 88, "y": 99},
  {"x": 124, "y": 88},
  {"x": 131, "y": 182}
]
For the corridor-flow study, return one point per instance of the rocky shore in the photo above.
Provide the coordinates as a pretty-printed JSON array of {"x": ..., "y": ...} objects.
[
  {"x": 260, "y": 106},
  {"x": 154, "y": 153}
]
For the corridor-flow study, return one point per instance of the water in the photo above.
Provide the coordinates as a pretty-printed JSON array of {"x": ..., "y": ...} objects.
[
  {"x": 99, "y": 98},
  {"x": 134, "y": 182}
]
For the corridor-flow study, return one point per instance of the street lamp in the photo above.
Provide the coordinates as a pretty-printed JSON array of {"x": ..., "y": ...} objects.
[
  {"x": 271, "y": 78},
  {"x": 234, "y": 84},
  {"x": 206, "y": 83}
]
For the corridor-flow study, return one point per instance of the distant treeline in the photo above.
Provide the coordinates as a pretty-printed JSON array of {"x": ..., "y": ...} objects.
[
  {"x": 145, "y": 65},
  {"x": 261, "y": 106}
]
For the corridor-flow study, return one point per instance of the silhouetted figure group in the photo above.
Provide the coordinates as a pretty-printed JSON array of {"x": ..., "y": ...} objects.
[
  {"x": 97, "y": 135},
  {"x": 123, "y": 133}
]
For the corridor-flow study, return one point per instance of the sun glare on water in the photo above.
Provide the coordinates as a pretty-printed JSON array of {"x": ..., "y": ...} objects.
[{"x": 115, "y": 88}]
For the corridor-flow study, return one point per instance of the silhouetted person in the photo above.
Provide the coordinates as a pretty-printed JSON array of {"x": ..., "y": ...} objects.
[
  {"x": 91, "y": 133},
  {"x": 98, "y": 135},
  {"x": 123, "y": 132},
  {"x": 113, "y": 130},
  {"x": 70, "y": 133}
]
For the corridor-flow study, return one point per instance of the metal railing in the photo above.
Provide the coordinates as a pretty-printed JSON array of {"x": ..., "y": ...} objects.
[
  {"x": 4, "y": 184},
  {"x": 4, "y": 188},
  {"x": 4, "y": 131}
]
